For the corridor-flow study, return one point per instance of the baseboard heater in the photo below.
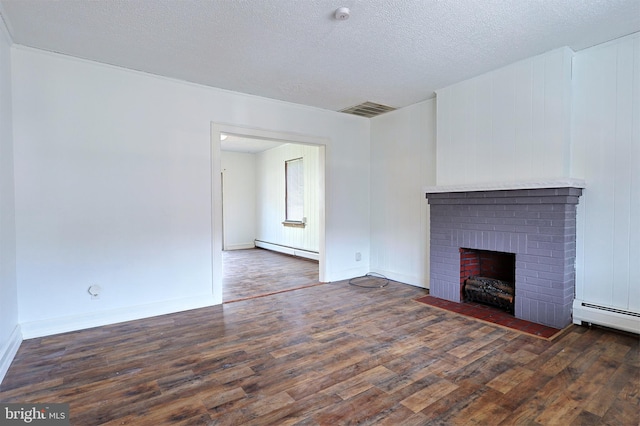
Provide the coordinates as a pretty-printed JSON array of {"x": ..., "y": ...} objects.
[
  {"x": 307, "y": 254},
  {"x": 606, "y": 316}
]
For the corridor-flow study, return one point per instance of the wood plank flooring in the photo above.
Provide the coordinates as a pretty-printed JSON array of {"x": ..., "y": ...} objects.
[
  {"x": 256, "y": 272},
  {"x": 331, "y": 354}
]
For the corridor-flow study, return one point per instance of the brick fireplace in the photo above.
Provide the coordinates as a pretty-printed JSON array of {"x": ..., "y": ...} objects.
[{"x": 535, "y": 222}]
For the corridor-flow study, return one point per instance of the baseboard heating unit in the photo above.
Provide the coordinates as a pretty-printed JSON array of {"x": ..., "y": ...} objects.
[
  {"x": 584, "y": 312},
  {"x": 314, "y": 255}
]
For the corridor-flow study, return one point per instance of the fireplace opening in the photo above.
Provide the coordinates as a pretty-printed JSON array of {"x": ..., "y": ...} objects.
[{"x": 488, "y": 277}]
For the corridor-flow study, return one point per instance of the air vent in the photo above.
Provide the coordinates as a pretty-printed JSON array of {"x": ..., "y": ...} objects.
[{"x": 368, "y": 109}]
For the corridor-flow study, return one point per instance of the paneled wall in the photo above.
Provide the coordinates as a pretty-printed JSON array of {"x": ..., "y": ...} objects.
[
  {"x": 270, "y": 188},
  {"x": 507, "y": 125},
  {"x": 606, "y": 153}
]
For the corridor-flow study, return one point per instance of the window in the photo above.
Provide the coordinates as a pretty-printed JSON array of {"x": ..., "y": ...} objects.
[{"x": 294, "y": 192}]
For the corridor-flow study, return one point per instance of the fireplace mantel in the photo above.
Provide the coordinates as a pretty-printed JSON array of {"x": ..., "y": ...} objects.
[{"x": 502, "y": 186}]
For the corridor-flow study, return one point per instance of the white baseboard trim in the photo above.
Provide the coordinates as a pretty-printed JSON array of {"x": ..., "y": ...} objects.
[
  {"x": 347, "y": 274},
  {"x": 401, "y": 278},
  {"x": 288, "y": 250},
  {"x": 9, "y": 351},
  {"x": 240, "y": 246},
  {"x": 52, "y": 326}
]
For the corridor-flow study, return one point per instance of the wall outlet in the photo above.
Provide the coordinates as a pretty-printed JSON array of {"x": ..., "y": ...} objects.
[
  {"x": 358, "y": 256},
  {"x": 95, "y": 291}
]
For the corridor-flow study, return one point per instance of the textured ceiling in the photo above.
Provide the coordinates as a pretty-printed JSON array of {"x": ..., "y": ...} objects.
[{"x": 393, "y": 52}]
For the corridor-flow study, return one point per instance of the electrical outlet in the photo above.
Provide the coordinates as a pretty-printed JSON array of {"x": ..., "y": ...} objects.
[
  {"x": 95, "y": 291},
  {"x": 358, "y": 256}
]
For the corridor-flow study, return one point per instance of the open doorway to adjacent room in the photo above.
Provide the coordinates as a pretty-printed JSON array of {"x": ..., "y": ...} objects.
[{"x": 268, "y": 227}]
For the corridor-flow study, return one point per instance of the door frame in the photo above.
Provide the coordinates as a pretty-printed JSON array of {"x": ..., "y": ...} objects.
[{"x": 216, "y": 192}]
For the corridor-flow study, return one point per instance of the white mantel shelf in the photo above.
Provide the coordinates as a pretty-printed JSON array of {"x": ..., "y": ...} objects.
[{"x": 505, "y": 186}]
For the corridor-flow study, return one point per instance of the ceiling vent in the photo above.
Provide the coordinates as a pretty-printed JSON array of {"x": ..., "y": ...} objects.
[{"x": 368, "y": 109}]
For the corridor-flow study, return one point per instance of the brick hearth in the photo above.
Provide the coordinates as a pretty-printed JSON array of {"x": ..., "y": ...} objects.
[{"x": 537, "y": 225}]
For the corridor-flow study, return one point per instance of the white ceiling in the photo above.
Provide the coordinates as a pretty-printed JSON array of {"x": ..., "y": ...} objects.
[{"x": 393, "y": 52}]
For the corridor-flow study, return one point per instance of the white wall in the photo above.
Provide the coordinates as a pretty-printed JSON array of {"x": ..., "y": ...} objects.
[
  {"x": 239, "y": 200},
  {"x": 403, "y": 161},
  {"x": 271, "y": 197},
  {"x": 606, "y": 153},
  {"x": 10, "y": 335},
  {"x": 507, "y": 125},
  {"x": 113, "y": 187}
]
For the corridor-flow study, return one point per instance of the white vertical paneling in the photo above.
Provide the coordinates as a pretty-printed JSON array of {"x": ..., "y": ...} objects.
[
  {"x": 538, "y": 116},
  {"x": 270, "y": 186},
  {"x": 600, "y": 165},
  {"x": 503, "y": 111},
  {"x": 623, "y": 166},
  {"x": 523, "y": 118},
  {"x": 509, "y": 124},
  {"x": 466, "y": 165},
  {"x": 606, "y": 153},
  {"x": 444, "y": 127},
  {"x": 557, "y": 110},
  {"x": 479, "y": 151},
  {"x": 634, "y": 185}
]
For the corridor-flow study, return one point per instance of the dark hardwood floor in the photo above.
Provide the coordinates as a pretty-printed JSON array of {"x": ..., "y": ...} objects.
[
  {"x": 256, "y": 272},
  {"x": 330, "y": 354}
]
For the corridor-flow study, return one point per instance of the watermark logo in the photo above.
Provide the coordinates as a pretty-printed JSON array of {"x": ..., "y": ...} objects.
[{"x": 34, "y": 414}]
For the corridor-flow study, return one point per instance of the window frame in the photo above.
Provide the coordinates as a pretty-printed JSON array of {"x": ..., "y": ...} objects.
[{"x": 289, "y": 188}]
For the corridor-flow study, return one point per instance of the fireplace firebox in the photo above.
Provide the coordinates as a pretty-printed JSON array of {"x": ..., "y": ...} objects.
[{"x": 488, "y": 277}]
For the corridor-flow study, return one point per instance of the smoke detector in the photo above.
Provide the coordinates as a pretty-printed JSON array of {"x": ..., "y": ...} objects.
[{"x": 342, "y": 13}]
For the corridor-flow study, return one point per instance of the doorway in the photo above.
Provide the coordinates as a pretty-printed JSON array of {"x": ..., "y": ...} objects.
[{"x": 260, "y": 139}]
